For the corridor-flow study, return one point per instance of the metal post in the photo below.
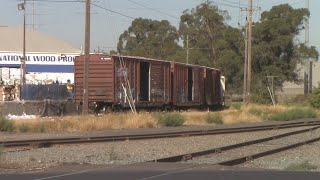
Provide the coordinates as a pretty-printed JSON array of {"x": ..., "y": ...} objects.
[
  {"x": 310, "y": 77},
  {"x": 249, "y": 50},
  {"x": 86, "y": 59}
]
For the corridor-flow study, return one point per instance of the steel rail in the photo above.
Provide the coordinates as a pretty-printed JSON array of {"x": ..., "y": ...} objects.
[
  {"x": 244, "y": 159},
  {"x": 94, "y": 139},
  {"x": 189, "y": 156}
]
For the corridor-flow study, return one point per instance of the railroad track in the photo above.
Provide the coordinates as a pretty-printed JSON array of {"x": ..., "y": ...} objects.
[
  {"x": 95, "y": 139},
  {"x": 243, "y": 159}
]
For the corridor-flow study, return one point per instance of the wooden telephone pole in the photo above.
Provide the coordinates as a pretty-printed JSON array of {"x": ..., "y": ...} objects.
[
  {"x": 86, "y": 59},
  {"x": 249, "y": 51},
  {"x": 245, "y": 69},
  {"x": 248, "y": 57}
]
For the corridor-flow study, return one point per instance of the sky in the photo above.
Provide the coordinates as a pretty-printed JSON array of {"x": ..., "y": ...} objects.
[{"x": 65, "y": 19}]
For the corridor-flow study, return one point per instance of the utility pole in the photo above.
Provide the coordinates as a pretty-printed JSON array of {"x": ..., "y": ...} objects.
[
  {"x": 86, "y": 59},
  {"x": 187, "y": 48},
  {"x": 33, "y": 23},
  {"x": 24, "y": 45},
  {"x": 308, "y": 62},
  {"x": 249, "y": 51},
  {"x": 245, "y": 69}
]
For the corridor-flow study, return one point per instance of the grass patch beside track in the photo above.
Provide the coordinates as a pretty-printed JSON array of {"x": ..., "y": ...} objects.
[
  {"x": 293, "y": 114},
  {"x": 303, "y": 166},
  {"x": 251, "y": 113},
  {"x": 6, "y": 125},
  {"x": 170, "y": 119},
  {"x": 214, "y": 118}
]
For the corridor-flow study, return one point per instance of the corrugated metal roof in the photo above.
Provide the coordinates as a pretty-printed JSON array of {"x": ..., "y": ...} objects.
[{"x": 11, "y": 41}]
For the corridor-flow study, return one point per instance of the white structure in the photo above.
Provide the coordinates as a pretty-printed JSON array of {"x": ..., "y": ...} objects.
[{"x": 47, "y": 59}]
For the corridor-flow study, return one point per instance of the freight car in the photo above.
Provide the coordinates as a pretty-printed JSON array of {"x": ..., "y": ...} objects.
[{"x": 126, "y": 81}]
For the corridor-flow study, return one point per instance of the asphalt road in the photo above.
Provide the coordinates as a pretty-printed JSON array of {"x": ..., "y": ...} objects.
[{"x": 159, "y": 171}]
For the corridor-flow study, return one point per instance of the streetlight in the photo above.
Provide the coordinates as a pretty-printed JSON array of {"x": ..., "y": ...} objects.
[{"x": 22, "y": 7}]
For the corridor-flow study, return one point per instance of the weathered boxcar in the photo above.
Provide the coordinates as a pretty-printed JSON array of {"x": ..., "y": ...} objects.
[
  {"x": 113, "y": 79},
  {"x": 213, "y": 88},
  {"x": 187, "y": 84}
]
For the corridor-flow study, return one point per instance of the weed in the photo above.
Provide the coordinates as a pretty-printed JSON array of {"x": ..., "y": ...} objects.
[
  {"x": 314, "y": 99},
  {"x": 170, "y": 119},
  {"x": 303, "y": 166},
  {"x": 24, "y": 128},
  {"x": 237, "y": 106},
  {"x": 113, "y": 154},
  {"x": 40, "y": 128},
  {"x": 1, "y": 150},
  {"x": 6, "y": 125},
  {"x": 293, "y": 114},
  {"x": 256, "y": 112},
  {"x": 214, "y": 118}
]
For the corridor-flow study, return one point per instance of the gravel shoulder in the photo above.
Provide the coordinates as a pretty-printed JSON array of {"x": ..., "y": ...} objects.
[
  {"x": 120, "y": 153},
  {"x": 309, "y": 154}
]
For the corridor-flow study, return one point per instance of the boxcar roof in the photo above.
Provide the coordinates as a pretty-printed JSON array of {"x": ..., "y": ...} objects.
[
  {"x": 158, "y": 60},
  {"x": 140, "y": 58},
  {"x": 151, "y": 59}
]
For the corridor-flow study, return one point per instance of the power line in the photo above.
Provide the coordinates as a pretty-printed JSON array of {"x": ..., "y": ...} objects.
[
  {"x": 57, "y": 1},
  {"x": 238, "y": 3},
  {"x": 228, "y": 5},
  {"x": 153, "y": 9},
  {"x": 124, "y": 15}
]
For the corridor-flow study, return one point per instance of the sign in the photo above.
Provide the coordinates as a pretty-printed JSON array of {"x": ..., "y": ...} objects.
[{"x": 39, "y": 59}]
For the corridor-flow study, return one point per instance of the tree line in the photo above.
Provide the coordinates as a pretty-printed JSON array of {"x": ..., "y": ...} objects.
[{"x": 212, "y": 42}]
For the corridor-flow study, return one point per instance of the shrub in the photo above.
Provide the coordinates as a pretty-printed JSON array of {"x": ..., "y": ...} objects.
[
  {"x": 171, "y": 119},
  {"x": 293, "y": 114},
  {"x": 1, "y": 150},
  {"x": 315, "y": 98},
  {"x": 214, "y": 118},
  {"x": 236, "y": 105},
  {"x": 40, "y": 128},
  {"x": 6, "y": 125},
  {"x": 256, "y": 112},
  {"x": 303, "y": 166},
  {"x": 24, "y": 128}
]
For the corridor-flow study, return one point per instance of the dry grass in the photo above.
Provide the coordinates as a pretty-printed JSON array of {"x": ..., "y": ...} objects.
[
  {"x": 91, "y": 123},
  {"x": 195, "y": 117},
  {"x": 146, "y": 120}
]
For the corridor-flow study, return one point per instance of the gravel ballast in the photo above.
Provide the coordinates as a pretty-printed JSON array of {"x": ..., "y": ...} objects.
[{"x": 126, "y": 152}]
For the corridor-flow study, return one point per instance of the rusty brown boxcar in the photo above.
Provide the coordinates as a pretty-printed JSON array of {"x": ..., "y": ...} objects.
[
  {"x": 213, "y": 88},
  {"x": 187, "y": 84},
  {"x": 113, "y": 78}
]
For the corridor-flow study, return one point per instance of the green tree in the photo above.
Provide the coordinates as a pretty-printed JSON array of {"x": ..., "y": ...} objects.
[
  {"x": 149, "y": 38},
  {"x": 274, "y": 49},
  {"x": 213, "y": 42},
  {"x": 314, "y": 99},
  {"x": 113, "y": 52}
]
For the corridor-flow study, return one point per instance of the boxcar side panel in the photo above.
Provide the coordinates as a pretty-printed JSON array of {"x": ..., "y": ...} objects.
[
  {"x": 159, "y": 82},
  {"x": 213, "y": 94},
  {"x": 188, "y": 85},
  {"x": 149, "y": 81},
  {"x": 100, "y": 78}
]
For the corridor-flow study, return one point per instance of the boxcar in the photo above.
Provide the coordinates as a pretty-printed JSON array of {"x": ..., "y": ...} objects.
[
  {"x": 213, "y": 87},
  {"x": 112, "y": 79},
  {"x": 187, "y": 84}
]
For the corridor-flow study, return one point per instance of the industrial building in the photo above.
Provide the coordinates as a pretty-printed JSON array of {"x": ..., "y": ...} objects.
[
  {"x": 48, "y": 59},
  {"x": 292, "y": 90}
]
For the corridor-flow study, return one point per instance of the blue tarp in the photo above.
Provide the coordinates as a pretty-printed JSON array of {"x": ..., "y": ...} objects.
[{"x": 41, "y": 92}]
